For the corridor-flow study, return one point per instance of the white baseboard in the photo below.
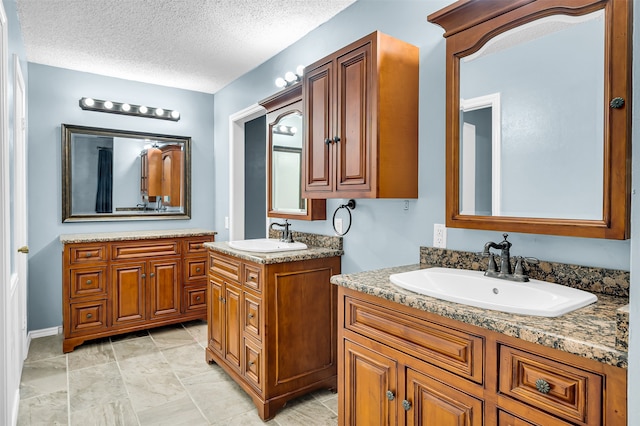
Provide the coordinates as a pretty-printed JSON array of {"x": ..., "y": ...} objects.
[{"x": 34, "y": 334}]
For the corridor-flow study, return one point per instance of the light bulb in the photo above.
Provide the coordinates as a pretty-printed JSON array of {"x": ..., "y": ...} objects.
[
  {"x": 126, "y": 107},
  {"x": 280, "y": 82},
  {"x": 175, "y": 114},
  {"x": 88, "y": 102},
  {"x": 143, "y": 109},
  {"x": 300, "y": 70},
  {"x": 284, "y": 129},
  {"x": 108, "y": 104},
  {"x": 293, "y": 130},
  {"x": 159, "y": 112},
  {"x": 290, "y": 77}
]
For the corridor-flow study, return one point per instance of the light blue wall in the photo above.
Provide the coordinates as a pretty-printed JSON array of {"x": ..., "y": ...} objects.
[
  {"x": 383, "y": 234},
  {"x": 53, "y": 99}
]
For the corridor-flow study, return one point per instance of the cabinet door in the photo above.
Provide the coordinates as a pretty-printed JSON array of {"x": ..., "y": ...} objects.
[
  {"x": 233, "y": 330},
  {"x": 371, "y": 387},
  {"x": 318, "y": 161},
  {"x": 355, "y": 118},
  {"x": 430, "y": 402},
  {"x": 164, "y": 288},
  {"x": 215, "y": 315},
  {"x": 127, "y": 288}
]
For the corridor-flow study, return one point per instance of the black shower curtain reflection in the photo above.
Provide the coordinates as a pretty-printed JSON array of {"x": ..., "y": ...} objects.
[{"x": 104, "y": 195}]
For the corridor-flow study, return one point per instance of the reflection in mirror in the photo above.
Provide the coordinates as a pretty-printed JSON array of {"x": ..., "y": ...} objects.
[
  {"x": 549, "y": 160},
  {"x": 121, "y": 175},
  {"x": 286, "y": 164}
]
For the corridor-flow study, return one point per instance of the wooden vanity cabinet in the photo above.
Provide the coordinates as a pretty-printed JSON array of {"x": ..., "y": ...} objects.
[
  {"x": 361, "y": 121},
  {"x": 272, "y": 327},
  {"x": 402, "y": 366},
  {"x": 113, "y": 287},
  {"x": 172, "y": 175}
]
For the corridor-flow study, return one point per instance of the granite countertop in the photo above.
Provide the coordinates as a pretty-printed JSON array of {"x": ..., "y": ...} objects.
[
  {"x": 589, "y": 332},
  {"x": 312, "y": 252},
  {"x": 133, "y": 235}
]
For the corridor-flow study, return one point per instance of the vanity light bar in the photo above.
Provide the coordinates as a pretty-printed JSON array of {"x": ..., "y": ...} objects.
[
  {"x": 290, "y": 78},
  {"x": 284, "y": 130},
  {"x": 91, "y": 104}
]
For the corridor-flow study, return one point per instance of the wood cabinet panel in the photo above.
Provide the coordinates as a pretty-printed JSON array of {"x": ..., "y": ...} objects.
[
  {"x": 361, "y": 106},
  {"x": 273, "y": 330},
  {"x": 112, "y": 287}
]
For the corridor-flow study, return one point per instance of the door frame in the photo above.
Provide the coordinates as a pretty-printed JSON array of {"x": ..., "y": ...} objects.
[{"x": 236, "y": 168}]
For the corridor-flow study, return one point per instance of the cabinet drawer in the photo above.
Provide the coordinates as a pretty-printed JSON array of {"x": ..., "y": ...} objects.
[
  {"x": 252, "y": 316},
  {"x": 506, "y": 419},
  {"x": 194, "y": 298},
  {"x": 88, "y": 317},
  {"x": 552, "y": 386},
  {"x": 253, "y": 277},
  {"x": 196, "y": 245},
  {"x": 195, "y": 269},
  {"x": 87, "y": 254},
  {"x": 144, "y": 249},
  {"x": 253, "y": 364},
  {"x": 88, "y": 282},
  {"x": 225, "y": 267},
  {"x": 453, "y": 350}
]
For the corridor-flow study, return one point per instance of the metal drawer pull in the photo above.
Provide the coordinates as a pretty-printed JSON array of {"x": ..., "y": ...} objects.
[
  {"x": 144, "y": 275},
  {"x": 88, "y": 254},
  {"x": 251, "y": 316},
  {"x": 197, "y": 269},
  {"x": 390, "y": 395},
  {"x": 251, "y": 363},
  {"x": 89, "y": 315},
  {"x": 152, "y": 275},
  {"x": 406, "y": 405},
  {"x": 88, "y": 281},
  {"x": 543, "y": 386},
  {"x": 198, "y": 298}
]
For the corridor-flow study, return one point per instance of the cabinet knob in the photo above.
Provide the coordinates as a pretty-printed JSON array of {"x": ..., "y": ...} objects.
[
  {"x": 328, "y": 141},
  {"x": 406, "y": 405},
  {"x": 89, "y": 281},
  {"x": 198, "y": 298},
  {"x": 336, "y": 139},
  {"x": 251, "y": 363},
  {"x": 390, "y": 395},
  {"x": 222, "y": 299},
  {"x": 152, "y": 275},
  {"x": 543, "y": 386},
  {"x": 617, "y": 103},
  {"x": 251, "y": 316},
  {"x": 88, "y": 254},
  {"x": 89, "y": 315},
  {"x": 144, "y": 275},
  {"x": 197, "y": 269}
]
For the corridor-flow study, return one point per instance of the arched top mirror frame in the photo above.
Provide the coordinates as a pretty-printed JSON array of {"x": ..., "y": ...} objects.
[{"x": 470, "y": 24}]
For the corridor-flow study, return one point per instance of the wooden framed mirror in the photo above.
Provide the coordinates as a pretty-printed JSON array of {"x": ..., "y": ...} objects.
[
  {"x": 110, "y": 175},
  {"x": 538, "y": 116},
  {"x": 284, "y": 158}
]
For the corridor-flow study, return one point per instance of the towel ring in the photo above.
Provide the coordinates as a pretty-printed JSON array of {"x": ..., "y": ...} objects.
[{"x": 351, "y": 204}]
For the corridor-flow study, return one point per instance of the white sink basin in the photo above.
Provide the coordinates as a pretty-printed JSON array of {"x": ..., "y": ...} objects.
[
  {"x": 266, "y": 245},
  {"x": 473, "y": 288}
]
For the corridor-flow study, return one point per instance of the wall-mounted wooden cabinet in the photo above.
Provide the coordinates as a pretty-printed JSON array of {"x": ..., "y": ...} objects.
[
  {"x": 113, "y": 287},
  {"x": 161, "y": 174},
  {"x": 361, "y": 121}
]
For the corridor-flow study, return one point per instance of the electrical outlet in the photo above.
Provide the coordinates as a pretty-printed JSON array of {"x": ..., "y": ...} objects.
[
  {"x": 226, "y": 222},
  {"x": 406, "y": 205},
  {"x": 338, "y": 225},
  {"x": 439, "y": 235}
]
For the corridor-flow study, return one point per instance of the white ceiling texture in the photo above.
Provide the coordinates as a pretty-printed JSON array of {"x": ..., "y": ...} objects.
[{"x": 199, "y": 45}]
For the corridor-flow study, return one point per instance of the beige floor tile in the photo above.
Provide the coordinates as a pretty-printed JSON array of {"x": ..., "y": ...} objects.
[
  {"x": 249, "y": 418},
  {"x": 95, "y": 386},
  {"x": 150, "y": 381},
  {"x": 44, "y": 377},
  {"x": 198, "y": 329},
  {"x": 179, "y": 412},
  {"x": 114, "y": 413},
  {"x": 49, "y": 409},
  {"x": 44, "y": 347},
  {"x": 132, "y": 348},
  {"x": 187, "y": 361},
  {"x": 218, "y": 397},
  {"x": 97, "y": 353},
  {"x": 171, "y": 336},
  {"x": 307, "y": 412}
]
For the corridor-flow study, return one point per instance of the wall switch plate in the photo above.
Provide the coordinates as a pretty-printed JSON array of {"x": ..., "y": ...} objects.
[
  {"x": 406, "y": 205},
  {"x": 439, "y": 235},
  {"x": 226, "y": 222},
  {"x": 338, "y": 225}
]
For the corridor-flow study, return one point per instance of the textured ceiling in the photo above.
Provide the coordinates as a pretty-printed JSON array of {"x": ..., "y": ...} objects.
[{"x": 199, "y": 45}]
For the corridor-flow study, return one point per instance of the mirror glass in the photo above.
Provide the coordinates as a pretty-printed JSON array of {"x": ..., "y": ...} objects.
[
  {"x": 286, "y": 165},
  {"x": 123, "y": 175},
  {"x": 532, "y": 121}
]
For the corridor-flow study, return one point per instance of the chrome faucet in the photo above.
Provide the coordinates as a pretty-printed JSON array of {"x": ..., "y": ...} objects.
[
  {"x": 287, "y": 236},
  {"x": 505, "y": 272}
]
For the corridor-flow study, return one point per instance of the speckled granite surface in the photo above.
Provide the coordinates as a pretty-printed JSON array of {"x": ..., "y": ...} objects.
[
  {"x": 319, "y": 246},
  {"x": 596, "y": 280},
  {"x": 589, "y": 332},
  {"x": 622, "y": 329},
  {"x": 132, "y": 235}
]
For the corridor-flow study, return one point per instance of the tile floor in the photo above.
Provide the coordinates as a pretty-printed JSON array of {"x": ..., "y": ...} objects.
[{"x": 158, "y": 377}]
